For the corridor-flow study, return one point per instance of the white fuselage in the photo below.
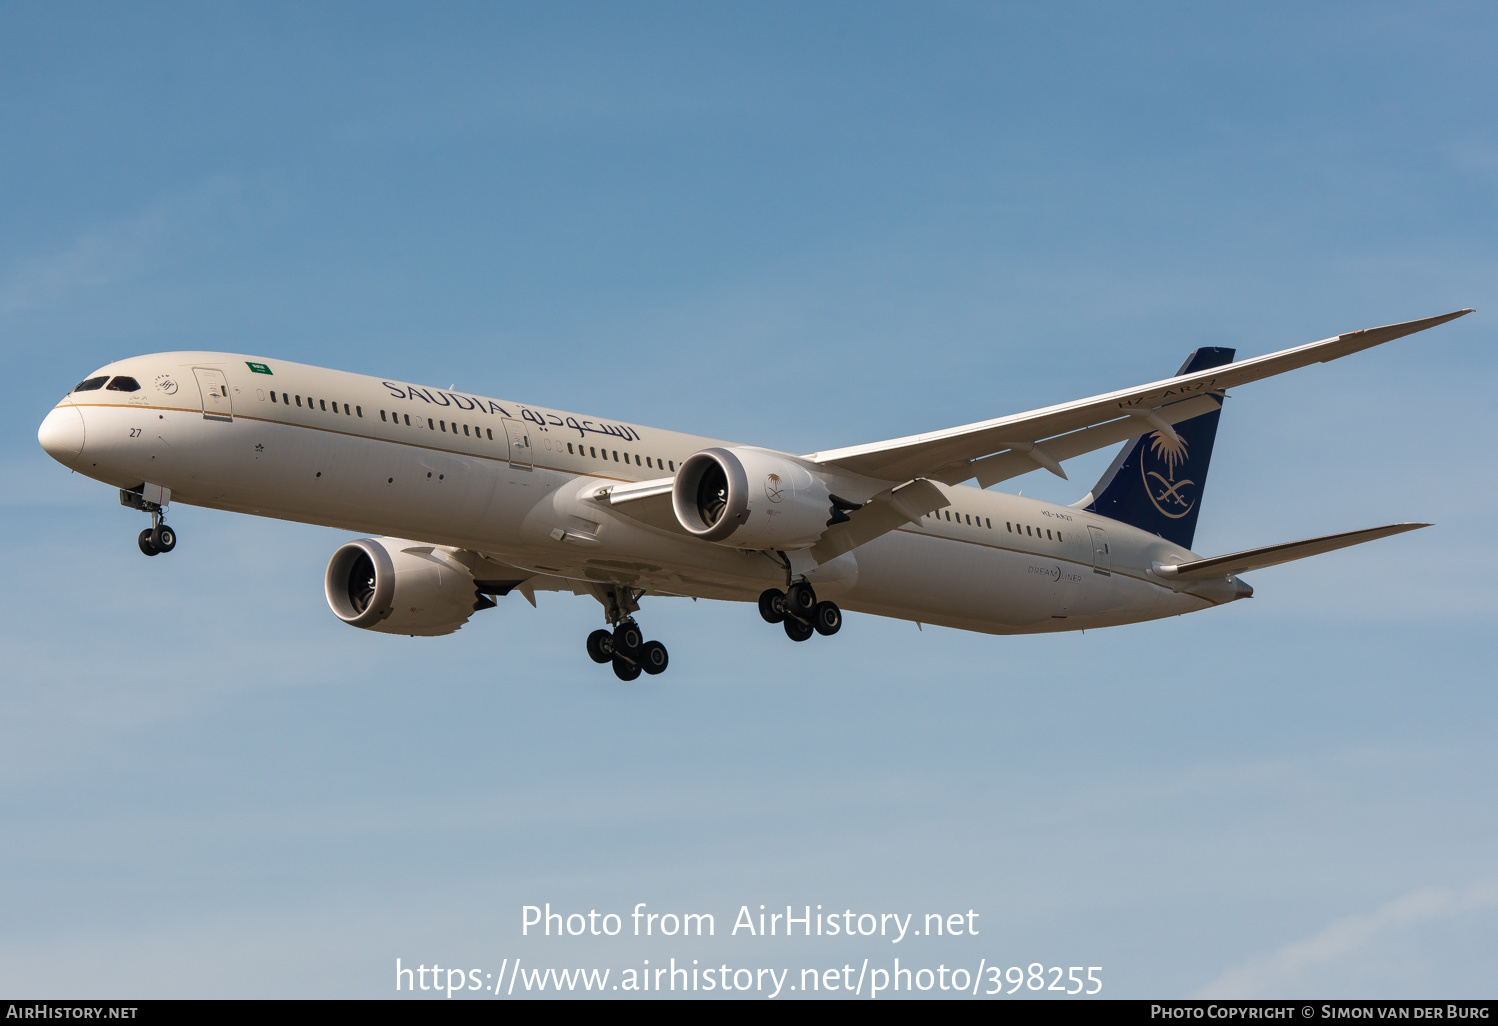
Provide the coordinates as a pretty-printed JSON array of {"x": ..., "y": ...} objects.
[{"x": 519, "y": 482}]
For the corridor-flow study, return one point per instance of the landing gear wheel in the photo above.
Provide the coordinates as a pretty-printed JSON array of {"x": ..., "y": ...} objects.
[
  {"x": 601, "y": 646},
  {"x": 163, "y": 538},
  {"x": 625, "y": 670},
  {"x": 827, "y": 619},
  {"x": 147, "y": 545},
  {"x": 796, "y": 630},
  {"x": 772, "y": 605},
  {"x": 627, "y": 638},
  {"x": 800, "y": 599},
  {"x": 653, "y": 657}
]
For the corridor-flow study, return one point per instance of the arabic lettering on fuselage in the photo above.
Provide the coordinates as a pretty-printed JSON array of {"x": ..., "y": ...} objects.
[{"x": 541, "y": 418}]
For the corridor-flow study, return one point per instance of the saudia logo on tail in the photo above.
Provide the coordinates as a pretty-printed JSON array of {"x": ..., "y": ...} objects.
[{"x": 1172, "y": 498}]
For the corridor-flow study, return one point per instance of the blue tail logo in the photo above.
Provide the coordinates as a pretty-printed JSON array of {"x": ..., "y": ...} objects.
[
  {"x": 1172, "y": 498},
  {"x": 1156, "y": 481}
]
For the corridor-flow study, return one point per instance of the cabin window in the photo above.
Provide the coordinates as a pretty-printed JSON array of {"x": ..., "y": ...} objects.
[
  {"x": 299, "y": 402},
  {"x": 123, "y": 383},
  {"x": 284, "y": 399},
  {"x": 647, "y": 461},
  {"x": 359, "y": 411},
  {"x": 382, "y": 416},
  {"x": 273, "y": 397},
  {"x": 969, "y": 517},
  {"x": 637, "y": 459},
  {"x": 626, "y": 457},
  {"x": 616, "y": 455},
  {"x": 989, "y": 522},
  {"x": 89, "y": 384},
  {"x": 430, "y": 425},
  {"x": 1048, "y": 534},
  {"x": 569, "y": 449},
  {"x": 465, "y": 430},
  {"x": 593, "y": 452},
  {"x": 1058, "y": 535},
  {"x": 443, "y": 425},
  {"x": 345, "y": 410},
  {"x": 673, "y": 465},
  {"x": 490, "y": 433},
  {"x": 1028, "y": 531}
]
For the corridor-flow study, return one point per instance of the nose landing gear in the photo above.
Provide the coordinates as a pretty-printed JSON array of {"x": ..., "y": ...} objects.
[
  {"x": 157, "y": 538},
  {"x": 798, "y": 609}
]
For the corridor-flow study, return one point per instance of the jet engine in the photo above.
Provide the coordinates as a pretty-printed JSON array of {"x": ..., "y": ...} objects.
[
  {"x": 401, "y": 587},
  {"x": 753, "y": 499}
]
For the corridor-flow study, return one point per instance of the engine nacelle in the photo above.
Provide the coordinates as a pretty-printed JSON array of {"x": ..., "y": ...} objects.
[
  {"x": 400, "y": 587},
  {"x": 751, "y": 499}
]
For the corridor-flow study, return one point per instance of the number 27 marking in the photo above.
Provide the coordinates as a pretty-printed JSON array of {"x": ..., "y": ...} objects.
[{"x": 135, "y": 432}]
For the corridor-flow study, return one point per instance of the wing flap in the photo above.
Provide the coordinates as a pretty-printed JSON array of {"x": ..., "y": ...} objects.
[
  {"x": 1272, "y": 555},
  {"x": 949, "y": 455}
]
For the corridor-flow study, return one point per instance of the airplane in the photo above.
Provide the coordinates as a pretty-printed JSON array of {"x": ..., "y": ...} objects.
[{"x": 467, "y": 499}]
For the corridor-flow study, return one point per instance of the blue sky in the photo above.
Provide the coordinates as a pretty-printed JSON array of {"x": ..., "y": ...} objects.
[{"x": 799, "y": 227}]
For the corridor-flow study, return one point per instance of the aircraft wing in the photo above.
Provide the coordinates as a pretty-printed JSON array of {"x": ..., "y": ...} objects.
[
  {"x": 995, "y": 450},
  {"x": 1273, "y": 555}
]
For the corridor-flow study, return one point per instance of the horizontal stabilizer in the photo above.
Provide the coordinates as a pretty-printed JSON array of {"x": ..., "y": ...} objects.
[{"x": 1272, "y": 555}]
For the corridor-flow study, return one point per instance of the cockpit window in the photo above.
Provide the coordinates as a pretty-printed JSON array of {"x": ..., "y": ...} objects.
[
  {"x": 123, "y": 384},
  {"x": 89, "y": 384}
]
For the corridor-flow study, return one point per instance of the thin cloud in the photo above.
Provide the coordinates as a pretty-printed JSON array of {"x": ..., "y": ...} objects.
[
  {"x": 1348, "y": 944},
  {"x": 120, "y": 251}
]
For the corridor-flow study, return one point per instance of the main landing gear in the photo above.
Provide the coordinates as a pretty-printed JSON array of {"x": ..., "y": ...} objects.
[
  {"x": 625, "y": 646},
  {"x": 798, "y": 609}
]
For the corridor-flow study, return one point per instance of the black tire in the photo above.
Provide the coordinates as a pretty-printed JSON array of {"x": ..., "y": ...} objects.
[
  {"x": 800, "y": 600},
  {"x": 827, "y": 619},
  {"x": 626, "y": 670},
  {"x": 627, "y": 638},
  {"x": 601, "y": 646},
  {"x": 653, "y": 658},
  {"x": 164, "y": 538},
  {"x": 797, "y": 631},
  {"x": 772, "y": 605},
  {"x": 146, "y": 544}
]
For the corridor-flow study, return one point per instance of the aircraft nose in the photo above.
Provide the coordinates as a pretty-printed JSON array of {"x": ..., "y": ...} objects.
[{"x": 61, "y": 434}]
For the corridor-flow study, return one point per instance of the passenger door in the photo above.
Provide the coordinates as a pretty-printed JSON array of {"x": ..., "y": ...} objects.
[
  {"x": 214, "y": 388},
  {"x": 519, "y": 436},
  {"x": 1102, "y": 559}
]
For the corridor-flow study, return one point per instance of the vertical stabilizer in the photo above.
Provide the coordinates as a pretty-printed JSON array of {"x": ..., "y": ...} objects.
[{"x": 1156, "y": 482}]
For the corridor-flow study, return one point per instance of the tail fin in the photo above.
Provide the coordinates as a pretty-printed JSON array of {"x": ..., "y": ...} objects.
[{"x": 1156, "y": 482}]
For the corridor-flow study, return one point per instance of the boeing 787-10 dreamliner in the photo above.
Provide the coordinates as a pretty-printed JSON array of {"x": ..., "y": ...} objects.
[{"x": 471, "y": 498}]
